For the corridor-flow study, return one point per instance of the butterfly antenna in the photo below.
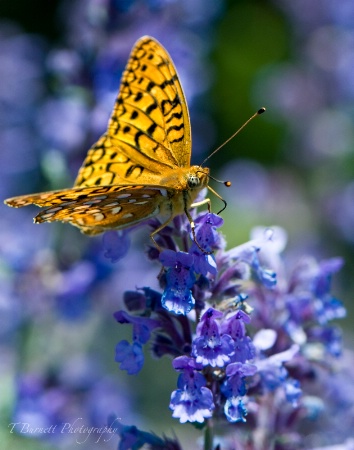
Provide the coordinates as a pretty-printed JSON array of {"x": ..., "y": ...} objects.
[{"x": 260, "y": 111}]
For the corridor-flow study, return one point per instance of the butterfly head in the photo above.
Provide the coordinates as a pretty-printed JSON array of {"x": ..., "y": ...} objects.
[{"x": 198, "y": 177}]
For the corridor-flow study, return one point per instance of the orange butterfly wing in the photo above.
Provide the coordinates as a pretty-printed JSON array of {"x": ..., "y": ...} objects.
[{"x": 149, "y": 130}]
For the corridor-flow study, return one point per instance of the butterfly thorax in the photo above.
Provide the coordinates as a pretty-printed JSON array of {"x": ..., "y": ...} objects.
[{"x": 185, "y": 183}]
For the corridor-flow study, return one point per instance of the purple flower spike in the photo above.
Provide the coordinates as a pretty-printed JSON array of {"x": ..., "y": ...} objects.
[
  {"x": 192, "y": 401},
  {"x": 209, "y": 347}
]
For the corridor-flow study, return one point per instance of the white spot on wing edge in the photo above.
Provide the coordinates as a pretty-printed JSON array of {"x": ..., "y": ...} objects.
[
  {"x": 98, "y": 216},
  {"x": 109, "y": 205},
  {"x": 123, "y": 195},
  {"x": 116, "y": 210},
  {"x": 47, "y": 215},
  {"x": 163, "y": 192}
]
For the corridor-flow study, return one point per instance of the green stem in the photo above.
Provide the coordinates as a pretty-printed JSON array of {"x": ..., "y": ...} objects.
[{"x": 209, "y": 435}]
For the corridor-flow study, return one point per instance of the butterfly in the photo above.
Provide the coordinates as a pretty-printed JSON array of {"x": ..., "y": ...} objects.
[{"x": 140, "y": 167}]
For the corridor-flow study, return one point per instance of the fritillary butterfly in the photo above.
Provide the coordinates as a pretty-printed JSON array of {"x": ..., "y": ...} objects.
[{"x": 140, "y": 167}]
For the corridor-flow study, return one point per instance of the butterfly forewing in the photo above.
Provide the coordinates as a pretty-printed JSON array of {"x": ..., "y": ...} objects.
[{"x": 149, "y": 130}]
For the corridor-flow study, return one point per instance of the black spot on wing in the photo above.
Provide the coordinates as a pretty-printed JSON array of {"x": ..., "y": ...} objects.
[{"x": 131, "y": 169}]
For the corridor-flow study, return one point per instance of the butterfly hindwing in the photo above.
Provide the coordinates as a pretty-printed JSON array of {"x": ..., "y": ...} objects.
[
  {"x": 149, "y": 130},
  {"x": 95, "y": 210}
]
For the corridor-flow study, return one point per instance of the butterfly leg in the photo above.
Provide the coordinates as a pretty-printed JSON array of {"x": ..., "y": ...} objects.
[
  {"x": 206, "y": 201},
  {"x": 161, "y": 227}
]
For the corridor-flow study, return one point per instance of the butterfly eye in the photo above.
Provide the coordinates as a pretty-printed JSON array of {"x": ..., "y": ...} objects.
[{"x": 193, "y": 181}]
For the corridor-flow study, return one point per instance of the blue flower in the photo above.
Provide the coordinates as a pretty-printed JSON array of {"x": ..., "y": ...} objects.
[
  {"x": 293, "y": 391},
  {"x": 116, "y": 245},
  {"x": 142, "y": 326},
  {"x": 266, "y": 276},
  {"x": 205, "y": 231},
  {"x": 329, "y": 308},
  {"x": 243, "y": 348},
  {"x": 209, "y": 348},
  {"x": 323, "y": 279},
  {"x": 192, "y": 401},
  {"x": 234, "y": 385},
  {"x": 249, "y": 254},
  {"x": 235, "y": 410},
  {"x": 209, "y": 240},
  {"x": 180, "y": 278},
  {"x": 131, "y": 356},
  {"x": 330, "y": 337},
  {"x": 274, "y": 375},
  {"x": 73, "y": 291}
]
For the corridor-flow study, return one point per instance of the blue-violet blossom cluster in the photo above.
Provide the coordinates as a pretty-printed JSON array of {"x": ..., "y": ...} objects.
[{"x": 239, "y": 338}]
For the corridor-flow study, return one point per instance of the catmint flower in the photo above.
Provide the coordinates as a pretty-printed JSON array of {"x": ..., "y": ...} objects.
[
  {"x": 293, "y": 391},
  {"x": 131, "y": 356},
  {"x": 192, "y": 401},
  {"x": 274, "y": 374},
  {"x": 234, "y": 325},
  {"x": 209, "y": 240},
  {"x": 209, "y": 348},
  {"x": 249, "y": 254},
  {"x": 234, "y": 385},
  {"x": 235, "y": 410},
  {"x": 234, "y": 388},
  {"x": 266, "y": 276},
  {"x": 115, "y": 244},
  {"x": 180, "y": 278},
  {"x": 329, "y": 336}
]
